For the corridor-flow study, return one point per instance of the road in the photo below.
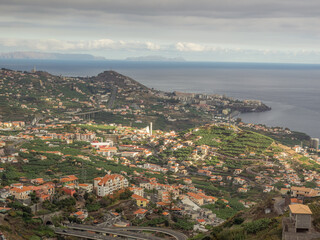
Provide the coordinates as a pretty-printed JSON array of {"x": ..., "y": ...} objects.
[
  {"x": 250, "y": 171},
  {"x": 279, "y": 205},
  {"x": 175, "y": 234},
  {"x": 114, "y": 231},
  {"x": 127, "y": 231},
  {"x": 112, "y": 97},
  {"x": 81, "y": 234}
]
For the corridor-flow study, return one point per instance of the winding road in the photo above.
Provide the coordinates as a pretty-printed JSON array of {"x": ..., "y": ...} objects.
[
  {"x": 79, "y": 229},
  {"x": 81, "y": 234}
]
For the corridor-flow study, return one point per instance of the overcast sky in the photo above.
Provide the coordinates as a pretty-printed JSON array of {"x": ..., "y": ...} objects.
[{"x": 197, "y": 30}]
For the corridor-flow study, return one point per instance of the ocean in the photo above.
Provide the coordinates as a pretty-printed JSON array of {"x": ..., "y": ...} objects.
[{"x": 291, "y": 90}]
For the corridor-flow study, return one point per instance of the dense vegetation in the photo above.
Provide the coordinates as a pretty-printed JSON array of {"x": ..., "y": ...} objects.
[{"x": 224, "y": 210}]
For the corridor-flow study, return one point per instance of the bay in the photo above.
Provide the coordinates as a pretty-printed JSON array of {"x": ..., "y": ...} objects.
[{"x": 292, "y": 90}]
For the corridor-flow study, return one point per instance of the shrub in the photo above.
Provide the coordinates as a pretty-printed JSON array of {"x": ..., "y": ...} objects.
[
  {"x": 93, "y": 207},
  {"x": 234, "y": 234},
  {"x": 238, "y": 220},
  {"x": 184, "y": 224},
  {"x": 256, "y": 226}
]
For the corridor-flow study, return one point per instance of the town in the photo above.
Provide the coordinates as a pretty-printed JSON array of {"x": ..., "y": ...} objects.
[
  {"x": 114, "y": 175},
  {"x": 94, "y": 157}
]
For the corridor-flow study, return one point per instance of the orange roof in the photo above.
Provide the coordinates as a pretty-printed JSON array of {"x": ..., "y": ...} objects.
[
  {"x": 83, "y": 185},
  {"x": 295, "y": 200},
  {"x": 304, "y": 189},
  {"x": 108, "y": 148},
  {"x": 108, "y": 177},
  {"x": 78, "y": 213},
  {"x": 4, "y": 208},
  {"x": 194, "y": 195},
  {"x": 69, "y": 178},
  {"x": 162, "y": 204},
  {"x": 20, "y": 190},
  {"x": 38, "y": 179},
  {"x": 44, "y": 196},
  {"x": 300, "y": 209},
  {"x": 140, "y": 211},
  {"x": 176, "y": 209},
  {"x": 137, "y": 197}
]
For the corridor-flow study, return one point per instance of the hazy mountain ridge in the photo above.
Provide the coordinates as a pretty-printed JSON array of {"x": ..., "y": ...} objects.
[
  {"x": 156, "y": 58},
  {"x": 48, "y": 56}
]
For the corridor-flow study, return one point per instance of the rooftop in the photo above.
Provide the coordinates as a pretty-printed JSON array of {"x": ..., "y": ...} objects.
[{"x": 300, "y": 209}]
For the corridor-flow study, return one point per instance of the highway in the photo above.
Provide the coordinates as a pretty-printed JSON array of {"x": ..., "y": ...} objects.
[
  {"x": 127, "y": 231},
  {"x": 114, "y": 231},
  {"x": 81, "y": 234},
  {"x": 175, "y": 234}
]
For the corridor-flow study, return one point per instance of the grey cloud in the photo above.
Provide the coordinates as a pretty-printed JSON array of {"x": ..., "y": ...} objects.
[
  {"x": 210, "y": 8},
  {"x": 227, "y": 15},
  {"x": 180, "y": 26},
  {"x": 161, "y": 13}
]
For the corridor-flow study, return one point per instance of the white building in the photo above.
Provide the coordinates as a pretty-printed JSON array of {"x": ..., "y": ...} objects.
[
  {"x": 98, "y": 145},
  {"x": 109, "y": 184}
]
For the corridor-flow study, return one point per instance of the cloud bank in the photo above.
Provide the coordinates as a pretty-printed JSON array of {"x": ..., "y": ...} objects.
[
  {"x": 61, "y": 45},
  {"x": 175, "y": 28}
]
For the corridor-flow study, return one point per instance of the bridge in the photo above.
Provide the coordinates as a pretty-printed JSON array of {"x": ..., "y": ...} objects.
[
  {"x": 127, "y": 232},
  {"x": 88, "y": 114}
]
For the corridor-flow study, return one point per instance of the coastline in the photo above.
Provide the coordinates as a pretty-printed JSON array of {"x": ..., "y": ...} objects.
[{"x": 278, "y": 84}]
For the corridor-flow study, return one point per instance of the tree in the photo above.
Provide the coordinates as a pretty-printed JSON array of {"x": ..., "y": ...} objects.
[
  {"x": 34, "y": 197},
  {"x": 171, "y": 200},
  {"x": 86, "y": 195},
  {"x": 4, "y": 179},
  {"x": 125, "y": 195},
  {"x": 106, "y": 201},
  {"x": 238, "y": 120},
  {"x": 73, "y": 219}
]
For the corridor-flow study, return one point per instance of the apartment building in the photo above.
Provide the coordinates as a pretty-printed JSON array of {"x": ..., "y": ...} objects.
[{"x": 109, "y": 184}]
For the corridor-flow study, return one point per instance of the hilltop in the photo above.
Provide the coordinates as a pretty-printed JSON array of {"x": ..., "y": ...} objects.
[{"x": 156, "y": 59}]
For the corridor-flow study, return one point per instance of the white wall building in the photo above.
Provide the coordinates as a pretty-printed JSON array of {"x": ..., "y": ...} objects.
[{"x": 109, "y": 184}]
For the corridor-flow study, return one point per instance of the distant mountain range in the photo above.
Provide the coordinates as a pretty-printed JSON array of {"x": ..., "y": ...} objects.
[
  {"x": 51, "y": 56},
  {"x": 71, "y": 56},
  {"x": 156, "y": 59}
]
